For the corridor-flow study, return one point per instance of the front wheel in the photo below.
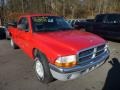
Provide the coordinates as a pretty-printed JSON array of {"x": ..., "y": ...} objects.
[{"x": 42, "y": 68}]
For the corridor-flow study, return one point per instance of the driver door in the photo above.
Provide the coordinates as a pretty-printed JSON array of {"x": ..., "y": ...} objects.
[{"x": 24, "y": 34}]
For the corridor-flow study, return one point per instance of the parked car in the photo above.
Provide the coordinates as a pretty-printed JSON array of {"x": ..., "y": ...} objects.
[
  {"x": 105, "y": 25},
  {"x": 83, "y": 25},
  {"x": 72, "y": 21},
  {"x": 7, "y": 34},
  {"x": 2, "y": 32},
  {"x": 12, "y": 23},
  {"x": 90, "y": 20},
  {"x": 57, "y": 49}
]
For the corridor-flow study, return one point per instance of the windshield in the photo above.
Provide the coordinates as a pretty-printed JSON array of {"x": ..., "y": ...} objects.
[{"x": 49, "y": 23}]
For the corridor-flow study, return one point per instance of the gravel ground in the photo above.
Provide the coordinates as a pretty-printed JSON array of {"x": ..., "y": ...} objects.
[{"x": 16, "y": 73}]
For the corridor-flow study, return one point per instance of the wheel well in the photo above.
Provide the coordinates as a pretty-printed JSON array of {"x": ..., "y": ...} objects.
[{"x": 33, "y": 52}]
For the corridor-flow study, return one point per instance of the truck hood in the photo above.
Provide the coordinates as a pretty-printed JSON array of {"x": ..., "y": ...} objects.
[{"x": 69, "y": 41}]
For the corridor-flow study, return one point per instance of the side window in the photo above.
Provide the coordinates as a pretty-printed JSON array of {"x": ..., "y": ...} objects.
[
  {"x": 100, "y": 18},
  {"x": 23, "y": 22},
  {"x": 113, "y": 18}
]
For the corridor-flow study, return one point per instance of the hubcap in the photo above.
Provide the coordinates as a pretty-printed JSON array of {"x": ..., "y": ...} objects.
[{"x": 39, "y": 69}]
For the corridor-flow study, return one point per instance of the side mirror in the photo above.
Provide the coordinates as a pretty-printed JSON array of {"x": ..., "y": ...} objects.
[
  {"x": 26, "y": 30},
  {"x": 22, "y": 27},
  {"x": 13, "y": 24}
]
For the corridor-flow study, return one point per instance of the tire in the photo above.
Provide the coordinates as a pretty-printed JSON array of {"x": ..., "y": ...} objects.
[
  {"x": 42, "y": 69},
  {"x": 7, "y": 37},
  {"x": 13, "y": 45}
]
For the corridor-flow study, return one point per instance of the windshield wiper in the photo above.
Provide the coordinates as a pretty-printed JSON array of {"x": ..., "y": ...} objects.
[
  {"x": 48, "y": 30},
  {"x": 66, "y": 28},
  {"x": 45, "y": 30}
]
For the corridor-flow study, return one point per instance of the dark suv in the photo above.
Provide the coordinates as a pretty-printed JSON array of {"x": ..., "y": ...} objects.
[
  {"x": 2, "y": 32},
  {"x": 106, "y": 25}
]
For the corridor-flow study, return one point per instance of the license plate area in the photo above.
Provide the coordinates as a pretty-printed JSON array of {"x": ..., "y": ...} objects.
[
  {"x": 90, "y": 68},
  {"x": 87, "y": 70}
]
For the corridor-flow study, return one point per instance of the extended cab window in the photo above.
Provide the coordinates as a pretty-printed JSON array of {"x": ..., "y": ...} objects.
[
  {"x": 113, "y": 18},
  {"x": 49, "y": 23},
  {"x": 23, "y": 23}
]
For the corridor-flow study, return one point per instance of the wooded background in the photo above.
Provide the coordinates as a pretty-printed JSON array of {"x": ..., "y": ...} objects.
[{"x": 10, "y": 9}]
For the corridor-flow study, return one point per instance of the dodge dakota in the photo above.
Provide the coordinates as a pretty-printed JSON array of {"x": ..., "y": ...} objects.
[{"x": 58, "y": 50}]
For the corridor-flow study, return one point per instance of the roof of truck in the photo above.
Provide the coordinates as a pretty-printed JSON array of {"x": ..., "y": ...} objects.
[
  {"x": 110, "y": 14},
  {"x": 31, "y": 15}
]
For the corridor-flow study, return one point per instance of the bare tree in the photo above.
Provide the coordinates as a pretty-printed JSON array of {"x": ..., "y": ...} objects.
[{"x": 67, "y": 8}]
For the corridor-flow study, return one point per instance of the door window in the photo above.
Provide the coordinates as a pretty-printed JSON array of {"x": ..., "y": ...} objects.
[{"x": 24, "y": 24}]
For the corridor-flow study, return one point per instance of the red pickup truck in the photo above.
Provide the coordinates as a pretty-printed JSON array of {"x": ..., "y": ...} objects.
[{"x": 58, "y": 50}]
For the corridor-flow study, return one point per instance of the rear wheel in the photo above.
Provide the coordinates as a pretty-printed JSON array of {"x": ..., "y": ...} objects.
[
  {"x": 13, "y": 45},
  {"x": 42, "y": 69},
  {"x": 7, "y": 37}
]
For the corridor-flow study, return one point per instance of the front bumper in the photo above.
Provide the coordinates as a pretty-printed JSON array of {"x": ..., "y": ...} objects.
[{"x": 64, "y": 74}]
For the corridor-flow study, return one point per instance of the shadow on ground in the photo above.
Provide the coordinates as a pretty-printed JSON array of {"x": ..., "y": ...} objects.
[{"x": 113, "y": 77}]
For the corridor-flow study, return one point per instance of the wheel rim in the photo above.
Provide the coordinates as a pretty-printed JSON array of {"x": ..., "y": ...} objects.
[{"x": 39, "y": 69}]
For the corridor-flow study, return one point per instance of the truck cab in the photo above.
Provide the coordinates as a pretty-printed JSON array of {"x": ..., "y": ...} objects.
[{"x": 58, "y": 50}]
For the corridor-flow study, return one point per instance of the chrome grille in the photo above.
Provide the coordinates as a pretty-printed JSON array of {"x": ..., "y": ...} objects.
[
  {"x": 101, "y": 47},
  {"x": 87, "y": 56}
]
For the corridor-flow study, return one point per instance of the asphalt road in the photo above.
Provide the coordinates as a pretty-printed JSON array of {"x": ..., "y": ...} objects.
[{"x": 16, "y": 73}]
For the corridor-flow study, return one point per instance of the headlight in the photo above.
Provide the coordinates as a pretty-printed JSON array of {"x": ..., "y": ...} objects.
[
  {"x": 106, "y": 47},
  {"x": 66, "y": 62}
]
